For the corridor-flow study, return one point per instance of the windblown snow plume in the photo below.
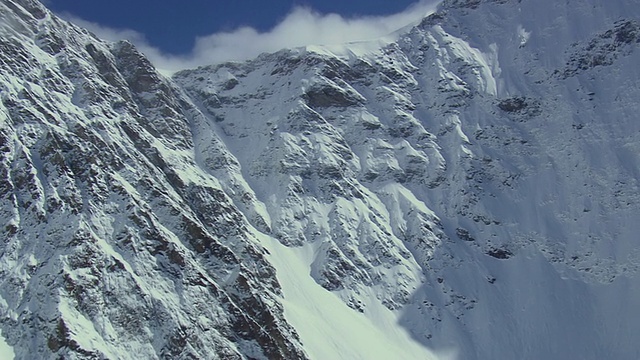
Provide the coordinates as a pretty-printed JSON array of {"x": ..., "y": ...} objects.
[{"x": 302, "y": 26}]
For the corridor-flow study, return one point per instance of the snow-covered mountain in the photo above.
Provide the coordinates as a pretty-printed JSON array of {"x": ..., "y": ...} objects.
[{"x": 469, "y": 186}]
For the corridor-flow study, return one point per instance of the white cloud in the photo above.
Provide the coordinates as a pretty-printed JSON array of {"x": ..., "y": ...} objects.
[
  {"x": 302, "y": 26},
  {"x": 167, "y": 62}
]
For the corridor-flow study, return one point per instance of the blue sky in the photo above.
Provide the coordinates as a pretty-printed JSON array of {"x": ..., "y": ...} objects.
[
  {"x": 175, "y": 35},
  {"x": 172, "y": 26}
]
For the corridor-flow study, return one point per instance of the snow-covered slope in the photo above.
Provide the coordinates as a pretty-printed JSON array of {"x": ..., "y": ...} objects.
[
  {"x": 116, "y": 242},
  {"x": 468, "y": 186}
]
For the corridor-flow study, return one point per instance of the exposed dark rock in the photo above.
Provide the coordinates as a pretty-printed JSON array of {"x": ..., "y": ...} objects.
[
  {"x": 499, "y": 253},
  {"x": 604, "y": 49},
  {"x": 464, "y": 234},
  {"x": 521, "y": 107},
  {"x": 328, "y": 96}
]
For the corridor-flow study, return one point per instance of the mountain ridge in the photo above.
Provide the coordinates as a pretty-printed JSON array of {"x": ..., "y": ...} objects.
[{"x": 454, "y": 190}]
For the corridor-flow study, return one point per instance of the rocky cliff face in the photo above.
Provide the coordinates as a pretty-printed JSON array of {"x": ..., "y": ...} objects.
[
  {"x": 469, "y": 184},
  {"x": 116, "y": 240}
]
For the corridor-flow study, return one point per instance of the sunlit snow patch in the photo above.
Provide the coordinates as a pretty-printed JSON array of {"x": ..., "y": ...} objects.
[
  {"x": 328, "y": 328},
  {"x": 523, "y": 35},
  {"x": 6, "y": 351}
]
